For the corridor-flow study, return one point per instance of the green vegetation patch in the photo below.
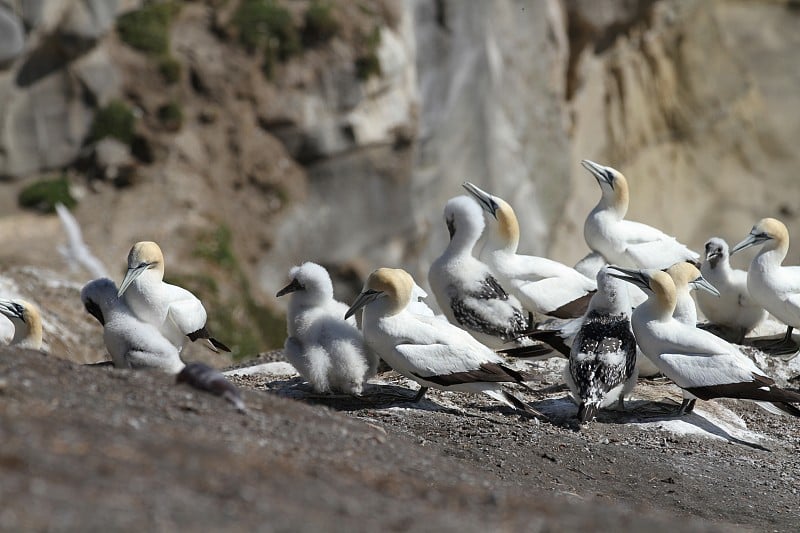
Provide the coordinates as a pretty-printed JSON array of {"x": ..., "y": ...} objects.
[
  {"x": 171, "y": 116},
  {"x": 114, "y": 120},
  {"x": 147, "y": 29},
  {"x": 43, "y": 195},
  {"x": 367, "y": 63},
  {"x": 319, "y": 25},
  {"x": 170, "y": 69}
]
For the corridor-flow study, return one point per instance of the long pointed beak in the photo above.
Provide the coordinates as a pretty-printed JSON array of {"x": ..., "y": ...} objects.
[
  {"x": 484, "y": 198},
  {"x": 636, "y": 277},
  {"x": 363, "y": 299},
  {"x": 750, "y": 240},
  {"x": 10, "y": 309},
  {"x": 291, "y": 287},
  {"x": 713, "y": 254},
  {"x": 703, "y": 284},
  {"x": 598, "y": 171},
  {"x": 130, "y": 277}
]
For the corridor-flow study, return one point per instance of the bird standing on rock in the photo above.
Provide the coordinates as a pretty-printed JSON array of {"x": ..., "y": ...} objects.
[
  {"x": 326, "y": 349},
  {"x": 132, "y": 343},
  {"x": 430, "y": 351},
  {"x": 176, "y": 312},
  {"x": 775, "y": 287}
]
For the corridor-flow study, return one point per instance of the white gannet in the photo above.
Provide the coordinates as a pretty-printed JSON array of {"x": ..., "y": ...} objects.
[
  {"x": 27, "y": 322},
  {"x": 542, "y": 285},
  {"x": 325, "y": 349},
  {"x": 686, "y": 277},
  {"x": 427, "y": 350},
  {"x": 176, "y": 312},
  {"x": 602, "y": 363},
  {"x": 734, "y": 308},
  {"x": 467, "y": 292},
  {"x": 7, "y": 330},
  {"x": 775, "y": 287},
  {"x": 620, "y": 241},
  {"x": 131, "y": 342},
  {"x": 702, "y": 364}
]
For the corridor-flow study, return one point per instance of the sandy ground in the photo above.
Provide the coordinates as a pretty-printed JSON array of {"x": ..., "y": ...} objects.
[{"x": 94, "y": 448}]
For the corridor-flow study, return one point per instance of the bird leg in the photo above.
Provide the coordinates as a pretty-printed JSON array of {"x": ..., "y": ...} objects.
[
  {"x": 785, "y": 346},
  {"x": 420, "y": 393},
  {"x": 687, "y": 406}
]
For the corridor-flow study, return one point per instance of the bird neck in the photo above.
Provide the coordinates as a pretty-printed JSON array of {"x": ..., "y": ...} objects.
[
  {"x": 772, "y": 253},
  {"x": 463, "y": 241},
  {"x": 28, "y": 334}
]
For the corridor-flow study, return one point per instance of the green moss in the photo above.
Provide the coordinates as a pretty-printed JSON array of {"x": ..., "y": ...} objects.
[
  {"x": 147, "y": 29},
  {"x": 170, "y": 69},
  {"x": 171, "y": 116},
  {"x": 367, "y": 63},
  {"x": 263, "y": 25},
  {"x": 114, "y": 120},
  {"x": 43, "y": 195},
  {"x": 320, "y": 25},
  {"x": 217, "y": 247}
]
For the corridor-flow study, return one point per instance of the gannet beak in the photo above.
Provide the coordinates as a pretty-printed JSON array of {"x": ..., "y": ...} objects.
[
  {"x": 367, "y": 296},
  {"x": 485, "y": 199},
  {"x": 130, "y": 277},
  {"x": 602, "y": 174},
  {"x": 751, "y": 240},
  {"x": 713, "y": 254},
  {"x": 291, "y": 287},
  {"x": 11, "y": 309},
  {"x": 636, "y": 277},
  {"x": 702, "y": 283}
]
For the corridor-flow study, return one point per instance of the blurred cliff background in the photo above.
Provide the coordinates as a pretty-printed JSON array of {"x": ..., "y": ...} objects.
[{"x": 246, "y": 136}]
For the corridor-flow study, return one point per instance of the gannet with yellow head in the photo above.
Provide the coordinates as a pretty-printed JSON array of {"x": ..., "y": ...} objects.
[
  {"x": 131, "y": 342},
  {"x": 176, "y": 312},
  {"x": 686, "y": 277},
  {"x": 425, "y": 349},
  {"x": 774, "y": 286},
  {"x": 623, "y": 242},
  {"x": 702, "y": 364},
  {"x": 465, "y": 288},
  {"x": 734, "y": 309},
  {"x": 543, "y": 286},
  {"x": 327, "y": 350},
  {"x": 27, "y": 322}
]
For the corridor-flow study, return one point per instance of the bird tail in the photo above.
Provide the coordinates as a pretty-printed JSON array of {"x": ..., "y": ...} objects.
[
  {"x": 780, "y": 408},
  {"x": 587, "y": 412},
  {"x": 514, "y": 402},
  {"x": 218, "y": 345}
]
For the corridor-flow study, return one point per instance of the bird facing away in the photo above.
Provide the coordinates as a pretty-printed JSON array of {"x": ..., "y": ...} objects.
[
  {"x": 702, "y": 364},
  {"x": 686, "y": 277},
  {"x": 430, "y": 351},
  {"x": 542, "y": 285},
  {"x": 773, "y": 286},
  {"x": 622, "y": 242},
  {"x": 27, "y": 322},
  {"x": 734, "y": 309},
  {"x": 131, "y": 342},
  {"x": 328, "y": 351},
  {"x": 176, "y": 312},
  {"x": 602, "y": 362},
  {"x": 467, "y": 292}
]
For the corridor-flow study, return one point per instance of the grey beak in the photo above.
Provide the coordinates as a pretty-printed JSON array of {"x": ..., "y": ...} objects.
[
  {"x": 703, "y": 284},
  {"x": 484, "y": 198},
  {"x": 130, "y": 277},
  {"x": 291, "y": 287},
  {"x": 598, "y": 171},
  {"x": 363, "y": 299},
  {"x": 750, "y": 240}
]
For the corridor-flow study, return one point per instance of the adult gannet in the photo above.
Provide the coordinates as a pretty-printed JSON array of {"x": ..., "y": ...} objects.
[
  {"x": 132, "y": 343},
  {"x": 686, "y": 277},
  {"x": 325, "y": 349},
  {"x": 467, "y": 292},
  {"x": 620, "y": 241},
  {"x": 542, "y": 285},
  {"x": 734, "y": 308},
  {"x": 27, "y": 322},
  {"x": 430, "y": 351},
  {"x": 702, "y": 364},
  {"x": 776, "y": 288},
  {"x": 176, "y": 312},
  {"x": 602, "y": 363}
]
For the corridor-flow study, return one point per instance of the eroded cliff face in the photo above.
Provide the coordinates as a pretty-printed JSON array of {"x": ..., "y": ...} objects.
[{"x": 318, "y": 159}]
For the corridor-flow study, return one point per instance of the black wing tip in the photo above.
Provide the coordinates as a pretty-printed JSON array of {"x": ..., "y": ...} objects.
[
  {"x": 522, "y": 352},
  {"x": 218, "y": 345},
  {"x": 586, "y": 412},
  {"x": 205, "y": 378},
  {"x": 788, "y": 408},
  {"x": 522, "y": 406}
]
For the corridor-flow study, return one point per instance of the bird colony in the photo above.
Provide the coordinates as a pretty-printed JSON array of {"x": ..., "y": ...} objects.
[{"x": 624, "y": 311}]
